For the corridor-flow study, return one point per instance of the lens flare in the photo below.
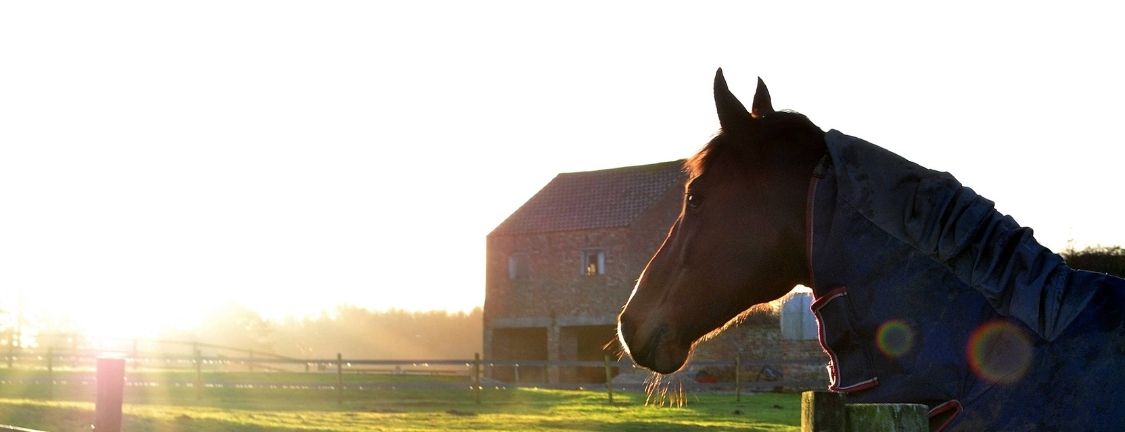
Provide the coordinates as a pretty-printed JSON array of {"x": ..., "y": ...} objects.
[
  {"x": 1000, "y": 352},
  {"x": 894, "y": 338}
]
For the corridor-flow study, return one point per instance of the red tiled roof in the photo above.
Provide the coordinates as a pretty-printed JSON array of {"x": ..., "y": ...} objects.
[{"x": 594, "y": 199}]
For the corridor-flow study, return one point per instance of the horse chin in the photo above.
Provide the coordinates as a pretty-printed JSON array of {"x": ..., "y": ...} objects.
[
  {"x": 669, "y": 359},
  {"x": 659, "y": 352}
]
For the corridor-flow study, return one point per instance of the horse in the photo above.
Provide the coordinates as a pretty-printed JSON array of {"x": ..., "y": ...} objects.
[{"x": 922, "y": 291}]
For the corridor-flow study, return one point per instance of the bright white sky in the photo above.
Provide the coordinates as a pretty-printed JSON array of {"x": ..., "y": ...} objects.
[{"x": 158, "y": 159}]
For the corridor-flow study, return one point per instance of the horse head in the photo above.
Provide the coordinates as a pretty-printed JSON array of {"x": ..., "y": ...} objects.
[{"x": 739, "y": 239}]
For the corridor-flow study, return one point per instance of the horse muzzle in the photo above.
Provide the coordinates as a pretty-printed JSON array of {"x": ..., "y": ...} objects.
[{"x": 653, "y": 346}]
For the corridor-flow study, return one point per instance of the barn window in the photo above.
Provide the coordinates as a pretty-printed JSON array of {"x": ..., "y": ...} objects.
[
  {"x": 797, "y": 320},
  {"x": 518, "y": 266},
  {"x": 593, "y": 262}
]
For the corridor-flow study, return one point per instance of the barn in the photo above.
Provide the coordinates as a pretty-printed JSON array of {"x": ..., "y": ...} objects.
[{"x": 559, "y": 269}]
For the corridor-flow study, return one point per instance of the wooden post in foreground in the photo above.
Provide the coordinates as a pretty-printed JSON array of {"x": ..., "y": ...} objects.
[
  {"x": 110, "y": 394},
  {"x": 822, "y": 411},
  {"x": 826, "y": 411},
  {"x": 888, "y": 417},
  {"x": 608, "y": 379}
]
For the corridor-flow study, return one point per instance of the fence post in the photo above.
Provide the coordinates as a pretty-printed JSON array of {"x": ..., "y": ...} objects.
[
  {"x": 339, "y": 379},
  {"x": 73, "y": 349},
  {"x": 51, "y": 373},
  {"x": 738, "y": 377},
  {"x": 110, "y": 394},
  {"x": 11, "y": 347},
  {"x": 476, "y": 376},
  {"x": 608, "y": 378},
  {"x": 826, "y": 411},
  {"x": 822, "y": 411},
  {"x": 198, "y": 373},
  {"x": 516, "y": 373}
]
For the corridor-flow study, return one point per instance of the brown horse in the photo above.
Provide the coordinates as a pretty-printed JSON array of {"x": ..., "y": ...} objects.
[
  {"x": 739, "y": 240},
  {"x": 924, "y": 293}
]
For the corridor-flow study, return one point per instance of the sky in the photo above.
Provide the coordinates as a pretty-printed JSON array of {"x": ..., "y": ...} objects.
[{"x": 161, "y": 159}]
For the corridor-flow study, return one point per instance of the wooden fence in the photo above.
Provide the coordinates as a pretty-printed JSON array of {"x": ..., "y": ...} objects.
[
  {"x": 473, "y": 371},
  {"x": 748, "y": 374},
  {"x": 820, "y": 411},
  {"x": 109, "y": 375}
]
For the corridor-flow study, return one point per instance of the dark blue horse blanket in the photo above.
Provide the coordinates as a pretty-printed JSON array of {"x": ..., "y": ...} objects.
[{"x": 924, "y": 293}]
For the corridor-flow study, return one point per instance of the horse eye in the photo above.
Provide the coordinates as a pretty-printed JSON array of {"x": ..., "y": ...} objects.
[{"x": 693, "y": 201}]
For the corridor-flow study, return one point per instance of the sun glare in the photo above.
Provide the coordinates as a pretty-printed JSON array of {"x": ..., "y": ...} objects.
[{"x": 110, "y": 323}]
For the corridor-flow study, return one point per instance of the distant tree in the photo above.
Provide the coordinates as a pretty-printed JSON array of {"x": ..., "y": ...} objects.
[
  {"x": 353, "y": 331},
  {"x": 231, "y": 325},
  {"x": 1101, "y": 259}
]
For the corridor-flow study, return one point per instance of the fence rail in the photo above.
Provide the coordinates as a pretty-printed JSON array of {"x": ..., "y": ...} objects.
[
  {"x": 744, "y": 369},
  {"x": 155, "y": 358}
]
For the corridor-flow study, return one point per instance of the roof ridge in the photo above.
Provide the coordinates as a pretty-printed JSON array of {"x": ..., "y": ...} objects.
[
  {"x": 644, "y": 167},
  {"x": 605, "y": 198}
]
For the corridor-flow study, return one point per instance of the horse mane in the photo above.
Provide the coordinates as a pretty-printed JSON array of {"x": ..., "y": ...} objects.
[{"x": 784, "y": 120}]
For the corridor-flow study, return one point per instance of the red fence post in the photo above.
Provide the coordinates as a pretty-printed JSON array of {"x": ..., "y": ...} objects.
[{"x": 110, "y": 395}]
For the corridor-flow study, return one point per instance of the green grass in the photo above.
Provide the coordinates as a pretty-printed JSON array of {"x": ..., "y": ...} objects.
[{"x": 169, "y": 408}]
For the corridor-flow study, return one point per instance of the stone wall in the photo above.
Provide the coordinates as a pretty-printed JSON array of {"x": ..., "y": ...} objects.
[{"x": 800, "y": 364}]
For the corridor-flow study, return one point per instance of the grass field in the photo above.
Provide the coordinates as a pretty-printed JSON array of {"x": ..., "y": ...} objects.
[{"x": 25, "y": 402}]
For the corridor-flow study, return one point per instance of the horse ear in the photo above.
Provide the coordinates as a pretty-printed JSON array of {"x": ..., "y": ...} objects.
[
  {"x": 732, "y": 113},
  {"x": 762, "y": 104}
]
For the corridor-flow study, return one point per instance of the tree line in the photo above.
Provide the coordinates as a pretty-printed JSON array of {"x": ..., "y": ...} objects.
[
  {"x": 356, "y": 332},
  {"x": 1101, "y": 259}
]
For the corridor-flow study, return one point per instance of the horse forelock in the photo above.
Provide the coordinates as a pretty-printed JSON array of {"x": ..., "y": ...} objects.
[{"x": 695, "y": 165}]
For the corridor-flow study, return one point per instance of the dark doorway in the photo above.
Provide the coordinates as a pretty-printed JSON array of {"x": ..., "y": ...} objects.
[
  {"x": 521, "y": 344},
  {"x": 588, "y": 344}
]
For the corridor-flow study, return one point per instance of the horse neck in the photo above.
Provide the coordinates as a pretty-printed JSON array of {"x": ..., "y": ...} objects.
[{"x": 801, "y": 162}]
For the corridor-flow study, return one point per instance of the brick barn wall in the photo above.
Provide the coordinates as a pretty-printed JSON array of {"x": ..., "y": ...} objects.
[
  {"x": 556, "y": 287},
  {"x": 556, "y": 295}
]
